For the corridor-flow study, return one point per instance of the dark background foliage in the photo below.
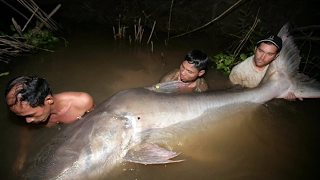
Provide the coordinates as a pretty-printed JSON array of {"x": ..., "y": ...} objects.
[{"x": 187, "y": 15}]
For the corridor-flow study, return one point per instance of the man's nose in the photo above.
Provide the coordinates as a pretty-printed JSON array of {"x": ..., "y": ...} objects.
[
  {"x": 183, "y": 72},
  {"x": 263, "y": 55},
  {"x": 29, "y": 119}
]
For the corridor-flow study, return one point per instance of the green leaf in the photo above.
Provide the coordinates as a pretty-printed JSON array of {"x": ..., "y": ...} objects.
[
  {"x": 12, "y": 28},
  {"x": 4, "y": 74},
  {"x": 45, "y": 33},
  {"x": 34, "y": 41},
  {"x": 55, "y": 39},
  {"x": 243, "y": 56},
  {"x": 228, "y": 62},
  {"x": 220, "y": 66}
]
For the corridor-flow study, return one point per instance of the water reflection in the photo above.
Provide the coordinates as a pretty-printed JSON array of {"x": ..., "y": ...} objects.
[{"x": 276, "y": 140}]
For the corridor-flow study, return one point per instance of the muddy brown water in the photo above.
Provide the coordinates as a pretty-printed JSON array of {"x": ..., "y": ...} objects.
[{"x": 275, "y": 140}]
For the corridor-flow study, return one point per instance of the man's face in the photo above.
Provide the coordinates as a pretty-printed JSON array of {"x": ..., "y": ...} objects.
[
  {"x": 265, "y": 54},
  {"x": 32, "y": 115},
  {"x": 188, "y": 73}
]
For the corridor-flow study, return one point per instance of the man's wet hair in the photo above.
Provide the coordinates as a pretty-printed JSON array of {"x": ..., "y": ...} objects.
[
  {"x": 32, "y": 89},
  {"x": 198, "y": 58}
]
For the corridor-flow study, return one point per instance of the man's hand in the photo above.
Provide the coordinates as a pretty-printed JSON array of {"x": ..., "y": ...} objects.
[{"x": 292, "y": 97}]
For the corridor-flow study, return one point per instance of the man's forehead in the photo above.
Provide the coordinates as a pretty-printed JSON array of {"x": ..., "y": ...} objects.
[
  {"x": 272, "y": 49},
  {"x": 188, "y": 65},
  {"x": 269, "y": 45}
]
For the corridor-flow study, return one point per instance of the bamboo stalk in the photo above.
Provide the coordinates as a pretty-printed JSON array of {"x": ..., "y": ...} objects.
[
  {"x": 51, "y": 14},
  {"x": 124, "y": 31},
  {"x": 154, "y": 24},
  {"x": 18, "y": 28},
  {"x": 162, "y": 57},
  {"x": 119, "y": 28},
  {"x": 15, "y": 9},
  {"x": 169, "y": 21},
  {"x": 114, "y": 33},
  {"x": 152, "y": 48},
  {"x": 41, "y": 15},
  {"x": 245, "y": 39},
  {"x": 141, "y": 36},
  {"x": 29, "y": 19}
]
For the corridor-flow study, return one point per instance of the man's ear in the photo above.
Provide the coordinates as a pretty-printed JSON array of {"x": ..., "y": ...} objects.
[
  {"x": 277, "y": 56},
  {"x": 49, "y": 99},
  {"x": 201, "y": 72}
]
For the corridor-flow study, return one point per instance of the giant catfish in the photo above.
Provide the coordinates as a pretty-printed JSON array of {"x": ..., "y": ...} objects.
[{"x": 112, "y": 133}]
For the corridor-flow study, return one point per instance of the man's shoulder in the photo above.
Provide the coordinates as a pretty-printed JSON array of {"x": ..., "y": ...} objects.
[
  {"x": 170, "y": 76},
  {"x": 244, "y": 67},
  {"x": 72, "y": 94},
  {"x": 202, "y": 85},
  {"x": 77, "y": 98},
  {"x": 241, "y": 71},
  {"x": 244, "y": 64}
]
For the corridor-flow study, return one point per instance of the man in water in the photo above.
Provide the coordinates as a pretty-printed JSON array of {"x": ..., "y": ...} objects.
[
  {"x": 250, "y": 72},
  {"x": 191, "y": 71},
  {"x": 31, "y": 98}
]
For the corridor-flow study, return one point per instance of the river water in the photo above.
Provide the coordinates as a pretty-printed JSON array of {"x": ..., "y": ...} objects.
[{"x": 275, "y": 140}]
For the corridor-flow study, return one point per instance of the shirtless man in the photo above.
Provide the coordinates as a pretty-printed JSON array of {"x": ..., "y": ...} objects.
[
  {"x": 31, "y": 98},
  {"x": 191, "y": 71},
  {"x": 250, "y": 72}
]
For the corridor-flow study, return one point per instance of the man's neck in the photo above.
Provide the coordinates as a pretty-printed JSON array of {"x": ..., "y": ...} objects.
[{"x": 259, "y": 68}]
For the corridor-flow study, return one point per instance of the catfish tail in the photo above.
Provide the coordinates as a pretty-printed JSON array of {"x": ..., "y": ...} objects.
[{"x": 289, "y": 58}]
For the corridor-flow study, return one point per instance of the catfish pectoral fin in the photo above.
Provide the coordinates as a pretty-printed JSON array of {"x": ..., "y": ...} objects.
[{"x": 149, "y": 153}]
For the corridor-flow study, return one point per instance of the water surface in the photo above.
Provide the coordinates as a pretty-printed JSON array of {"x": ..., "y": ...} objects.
[{"x": 275, "y": 140}]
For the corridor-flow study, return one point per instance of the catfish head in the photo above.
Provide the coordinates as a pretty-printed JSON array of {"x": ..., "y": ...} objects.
[{"x": 87, "y": 149}]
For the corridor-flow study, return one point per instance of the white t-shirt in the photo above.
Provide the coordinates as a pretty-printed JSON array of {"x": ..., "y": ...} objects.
[{"x": 246, "y": 74}]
